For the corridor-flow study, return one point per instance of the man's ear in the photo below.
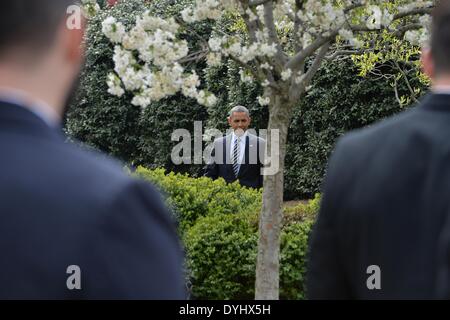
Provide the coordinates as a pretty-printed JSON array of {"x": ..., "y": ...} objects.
[
  {"x": 229, "y": 120},
  {"x": 427, "y": 63}
]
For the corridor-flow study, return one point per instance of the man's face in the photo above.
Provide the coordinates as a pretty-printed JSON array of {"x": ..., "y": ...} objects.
[{"x": 239, "y": 121}]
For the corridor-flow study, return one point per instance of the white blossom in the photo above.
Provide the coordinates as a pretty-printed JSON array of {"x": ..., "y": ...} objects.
[
  {"x": 251, "y": 16},
  {"x": 141, "y": 100},
  {"x": 114, "y": 86},
  {"x": 299, "y": 78},
  {"x": 215, "y": 43},
  {"x": 207, "y": 99},
  {"x": 89, "y": 8},
  {"x": 245, "y": 76},
  {"x": 214, "y": 59},
  {"x": 417, "y": 37},
  {"x": 386, "y": 18},
  {"x": 264, "y": 101},
  {"x": 268, "y": 49},
  {"x": 113, "y": 30},
  {"x": 286, "y": 74},
  {"x": 267, "y": 66},
  {"x": 374, "y": 20}
]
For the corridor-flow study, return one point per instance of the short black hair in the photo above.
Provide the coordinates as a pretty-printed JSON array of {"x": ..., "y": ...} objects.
[
  {"x": 30, "y": 24},
  {"x": 440, "y": 36}
]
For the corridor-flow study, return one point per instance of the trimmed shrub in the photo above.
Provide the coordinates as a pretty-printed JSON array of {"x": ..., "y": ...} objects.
[
  {"x": 192, "y": 198},
  {"x": 218, "y": 224},
  {"x": 221, "y": 254},
  {"x": 221, "y": 257}
]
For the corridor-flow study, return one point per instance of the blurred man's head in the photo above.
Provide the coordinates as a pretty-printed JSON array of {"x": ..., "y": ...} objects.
[
  {"x": 38, "y": 53},
  {"x": 435, "y": 60},
  {"x": 239, "y": 119}
]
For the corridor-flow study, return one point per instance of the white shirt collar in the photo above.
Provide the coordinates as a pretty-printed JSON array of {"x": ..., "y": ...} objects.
[
  {"x": 441, "y": 89},
  {"x": 242, "y": 138},
  {"x": 24, "y": 100}
]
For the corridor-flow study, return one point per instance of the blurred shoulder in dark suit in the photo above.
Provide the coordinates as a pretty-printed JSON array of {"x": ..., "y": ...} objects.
[
  {"x": 383, "y": 231},
  {"x": 62, "y": 206}
]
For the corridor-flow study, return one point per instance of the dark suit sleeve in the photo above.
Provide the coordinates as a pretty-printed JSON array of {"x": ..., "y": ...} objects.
[
  {"x": 136, "y": 249},
  {"x": 212, "y": 168},
  {"x": 325, "y": 273}
]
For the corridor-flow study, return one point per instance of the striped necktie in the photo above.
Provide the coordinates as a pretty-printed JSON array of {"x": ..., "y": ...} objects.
[{"x": 235, "y": 159}]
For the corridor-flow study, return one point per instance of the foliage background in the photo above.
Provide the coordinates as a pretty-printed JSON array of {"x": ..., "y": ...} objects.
[{"x": 340, "y": 100}]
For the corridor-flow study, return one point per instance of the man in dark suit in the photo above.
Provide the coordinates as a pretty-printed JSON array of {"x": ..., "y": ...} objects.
[
  {"x": 382, "y": 231},
  {"x": 72, "y": 224},
  {"x": 239, "y": 155}
]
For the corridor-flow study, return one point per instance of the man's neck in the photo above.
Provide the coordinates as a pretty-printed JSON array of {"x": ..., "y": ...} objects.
[
  {"x": 441, "y": 85},
  {"x": 34, "y": 86},
  {"x": 34, "y": 104}
]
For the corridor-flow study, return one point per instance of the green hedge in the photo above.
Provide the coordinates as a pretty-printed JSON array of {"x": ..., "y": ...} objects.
[
  {"x": 221, "y": 254},
  {"x": 218, "y": 224},
  {"x": 113, "y": 124},
  {"x": 339, "y": 101},
  {"x": 192, "y": 198}
]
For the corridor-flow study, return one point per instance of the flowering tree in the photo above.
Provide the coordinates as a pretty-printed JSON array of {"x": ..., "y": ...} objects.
[{"x": 280, "y": 44}]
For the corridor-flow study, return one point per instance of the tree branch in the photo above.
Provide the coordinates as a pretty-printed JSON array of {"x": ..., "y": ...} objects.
[
  {"x": 273, "y": 36},
  {"x": 297, "y": 23},
  {"x": 413, "y": 95},
  {"x": 364, "y": 28},
  {"x": 402, "y": 30},
  {"x": 316, "y": 63},
  {"x": 309, "y": 50},
  {"x": 255, "y": 3},
  {"x": 251, "y": 27},
  {"x": 413, "y": 12},
  {"x": 396, "y": 93},
  {"x": 339, "y": 53},
  {"x": 353, "y": 6}
]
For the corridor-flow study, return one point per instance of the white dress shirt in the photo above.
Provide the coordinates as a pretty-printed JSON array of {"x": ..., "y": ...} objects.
[
  {"x": 242, "y": 140},
  {"x": 441, "y": 89}
]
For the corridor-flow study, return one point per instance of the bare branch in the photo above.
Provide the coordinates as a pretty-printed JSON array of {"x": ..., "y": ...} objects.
[
  {"x": 258, "y": 74},
  {"x": 413, "y": 95},
  {"x": 339, "y": 53},
  {"x": 413, "y": 12},
  {"x": 316, "y": 63},
  {"x": 364, "y": 28},
  {"x": 195, "y": 56},
  {"x": 353, "y": 6},
  {"x": 297, "y": 23},
  {"x": 396, "y": 93},
  {"x": 300, "y": 57},
  {"x": 402, "y": 30},
  {"x": 252, "y": 26},
  {"x": 291, "y": 16},
  {"x": 255, "y": 3},
  {"x": 273, "y": 36}
]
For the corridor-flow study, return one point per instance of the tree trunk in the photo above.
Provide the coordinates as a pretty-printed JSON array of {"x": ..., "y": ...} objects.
[{"x": 267, "y": 266}]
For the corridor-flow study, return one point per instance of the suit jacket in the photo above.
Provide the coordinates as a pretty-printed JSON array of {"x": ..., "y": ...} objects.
[
  {"x": 249, "y": 174},
  {"x": 386, "y": 203},
  {"x": 62, "y": 206}
]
